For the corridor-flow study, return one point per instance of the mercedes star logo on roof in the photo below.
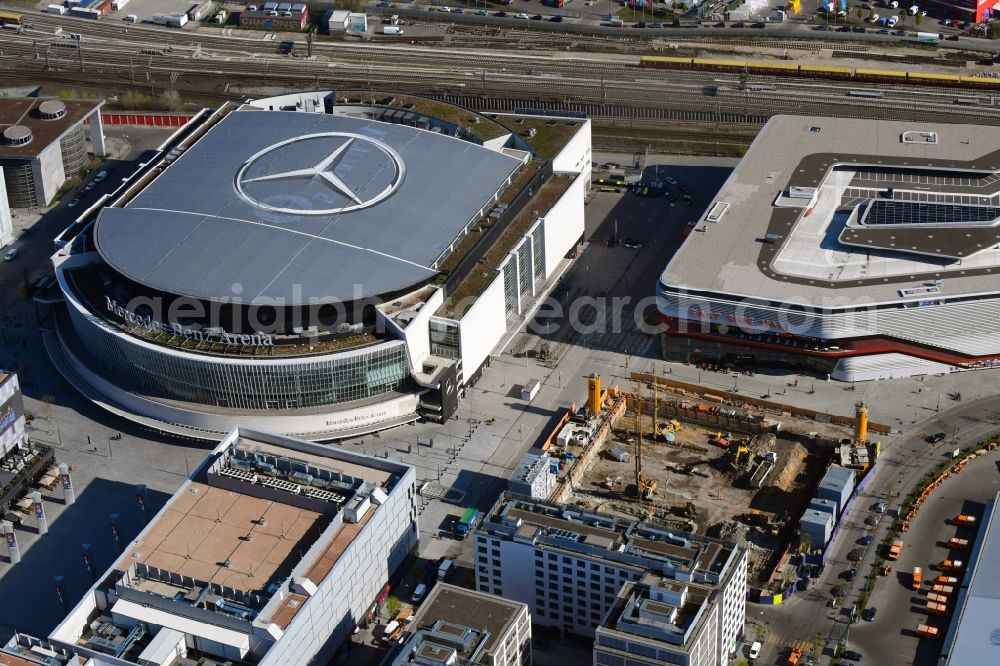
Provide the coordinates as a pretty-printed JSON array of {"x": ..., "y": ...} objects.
[{"x": 320, "y": 174}]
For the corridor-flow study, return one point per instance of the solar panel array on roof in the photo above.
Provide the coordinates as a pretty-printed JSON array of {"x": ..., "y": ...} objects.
[{"x": 892, "y": 212}]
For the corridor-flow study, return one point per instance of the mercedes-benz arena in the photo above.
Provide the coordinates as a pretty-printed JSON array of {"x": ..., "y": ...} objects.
[
  {"x": 315, "y": 266},
  {"x": 857, "y": 248}
]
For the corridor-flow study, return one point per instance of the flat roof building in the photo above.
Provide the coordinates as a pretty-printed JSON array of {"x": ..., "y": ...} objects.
[
  {"x": 973, "y": 637},
  {"x": 459, "y": 627},
  {"x": 570, "y": 567},
  {"x": 270, "y": 553},
  {"x": 857, "y": 248},
  {"x": 534, "y": 476},
  {"x": 43, "y": 143},
  {"x": 837, "y": 485}
]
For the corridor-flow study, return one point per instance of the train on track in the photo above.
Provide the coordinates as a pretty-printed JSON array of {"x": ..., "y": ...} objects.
[
  {"x": 10, "y": 18},
  {"x": 859, "y": 74}
]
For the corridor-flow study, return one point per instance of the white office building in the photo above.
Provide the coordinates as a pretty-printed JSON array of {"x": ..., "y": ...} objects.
[
  {"x": 269, "y": 554},
  {"x": 571, "y": 568}
]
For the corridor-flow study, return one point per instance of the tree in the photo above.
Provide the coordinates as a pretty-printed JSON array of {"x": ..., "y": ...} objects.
[
  {"x": 916, "y": 19},
  {"x": 392, "y": 605},
  {"x": 859, "y": 10}
]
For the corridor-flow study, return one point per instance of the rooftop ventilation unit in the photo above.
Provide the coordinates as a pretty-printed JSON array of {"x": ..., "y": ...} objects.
[
  {"x": 51, "y": 109},
  {"x": 17, "y": 135}
]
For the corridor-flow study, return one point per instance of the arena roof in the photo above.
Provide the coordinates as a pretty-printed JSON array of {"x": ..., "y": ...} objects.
[
  {"x": 759, "y": 240},
  {"x": 286, "y": 207}
]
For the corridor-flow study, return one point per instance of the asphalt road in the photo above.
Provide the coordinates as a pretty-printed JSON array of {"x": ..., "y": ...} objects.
[
  {"x": 902, "y": 463},
  {"x": 890, "y": 639}
]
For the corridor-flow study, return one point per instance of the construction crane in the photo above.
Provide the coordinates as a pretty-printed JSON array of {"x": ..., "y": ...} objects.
[{"x": 644, "y": 487}]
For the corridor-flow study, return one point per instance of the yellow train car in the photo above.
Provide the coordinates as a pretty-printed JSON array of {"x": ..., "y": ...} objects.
[
  {"x": 773, "y": 68},
  {"x": 8, "y": 18},
  {"x": 665, "y": 62},
  {"x": 932, "y": 79},
  {"x": 880, "y": 75},
  {"x": 719, "y": 65},
  {"x": 822, "y": 72},
  {"x": 980, "y": 82}
]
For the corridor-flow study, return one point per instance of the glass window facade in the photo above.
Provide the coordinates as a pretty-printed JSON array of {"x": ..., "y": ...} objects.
[
  {"x": 524, "y": 267},
  {"x": 244, "y": 383},
  {"x": 74, "y": 151},
  {"x": 445, "y": 339},
  {"x": 538, "y": 250},
  {"x": 510, "y": 293}
]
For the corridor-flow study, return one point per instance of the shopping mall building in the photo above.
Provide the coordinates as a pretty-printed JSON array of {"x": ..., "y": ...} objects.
[
  {"x": 316, "y": 266},
  {"x": 861, "y": 249}
]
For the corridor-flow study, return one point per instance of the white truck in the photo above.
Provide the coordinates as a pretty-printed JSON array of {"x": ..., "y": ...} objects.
[
  {"x": 392, "y": 30},
  {"x": 445, "y": 569}
]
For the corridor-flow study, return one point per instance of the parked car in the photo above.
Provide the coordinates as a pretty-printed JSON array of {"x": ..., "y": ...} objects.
[
  {"x": 73, "y": 203},
  {"x": 866, "y": 540},
  {"x": 101, "y": 175},
  {"x": 11, "y": 254},
  {"x": 868, "y": 614},
  {"x": 851, "y": 654},
  {"x": 936, "y": 437},
  {"x": 500, "y": 14},
  {"x": 655, "y": 26},
  {"x": 879, "y": 507},
  {"x": 818, "y": 570},
  {"x": 849, "y": 574},
  {"x": 754, "y": 650},
  {"x": 418, "y": 593}
]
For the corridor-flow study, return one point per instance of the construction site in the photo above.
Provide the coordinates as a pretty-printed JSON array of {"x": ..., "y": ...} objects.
[{"x": 717, "y": 468}]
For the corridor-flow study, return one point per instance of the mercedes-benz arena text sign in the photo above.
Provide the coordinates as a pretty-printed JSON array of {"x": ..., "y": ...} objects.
[{"x": 315, "y": 185}]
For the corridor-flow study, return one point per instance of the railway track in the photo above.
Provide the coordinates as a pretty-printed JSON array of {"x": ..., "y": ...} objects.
[{"x": 206, "y": 65}]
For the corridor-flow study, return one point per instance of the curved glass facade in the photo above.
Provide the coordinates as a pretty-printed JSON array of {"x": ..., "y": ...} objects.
[
  {"x": 244, "y": 384},
  {"x": 20, "y": 178},
  {"x": 73, "y": 147}
]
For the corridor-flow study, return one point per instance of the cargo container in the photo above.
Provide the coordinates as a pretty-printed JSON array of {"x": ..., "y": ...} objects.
[
  {"x": 918, "y": 577},
  {"x": 928, "y": 37},
  {"x": 199, "y": 11},
  {"x": 530, "y": 390},
  {"x": 619, "y": 454},
  {"x": 55, "y": 9},
  {"x": 937, "y": 609},
  {"x": 392, "y": 30},
  {"x": 952, "y": 565},
  {"x": 942, "y": 589},
  {"x": 946, "y": 580},
  {"x": 958, "y": 544},
  {"x": 118, "y": 4},
  {"x": 170, "y": 20},
  {"x": 467, "y": 522},
  {"x": 895, "y": 549},
  {"x": 964, "y": 519},
  {"x": 925, "y": 631},
  {"x": 933, "y": 598}
]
